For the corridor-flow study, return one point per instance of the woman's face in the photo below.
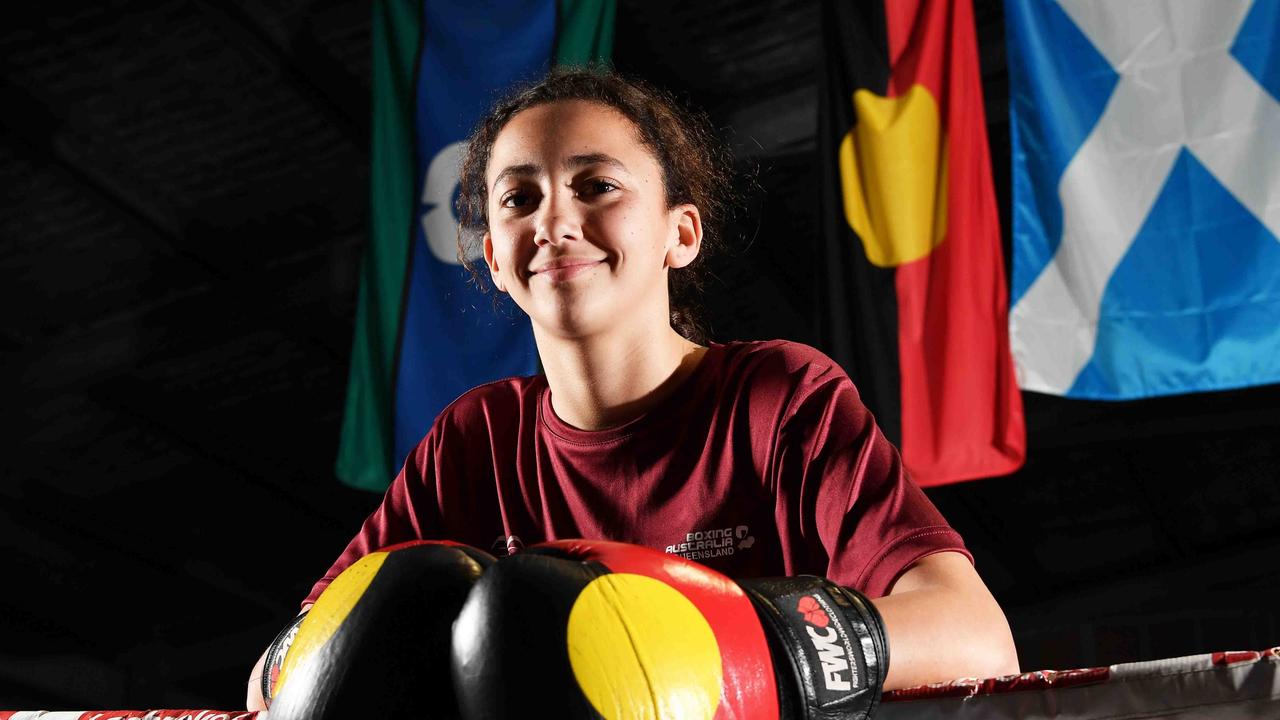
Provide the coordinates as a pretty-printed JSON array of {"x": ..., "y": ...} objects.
[{"x": 580, "y": 233}]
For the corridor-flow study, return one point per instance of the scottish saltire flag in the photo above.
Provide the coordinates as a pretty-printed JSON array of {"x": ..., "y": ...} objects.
[
  {"x": 424, "y": 334},
  {"x": 1146, "y": 194}
]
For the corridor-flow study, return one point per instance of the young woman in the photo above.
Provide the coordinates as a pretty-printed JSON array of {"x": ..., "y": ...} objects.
[{"x": 593, "y": 201}]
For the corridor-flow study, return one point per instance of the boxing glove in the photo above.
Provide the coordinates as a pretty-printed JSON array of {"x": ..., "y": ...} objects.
[
  {"x": 828, "y": 640},
  {"x": 273, "y": 660},
  {"x": 376, "y": 642},
  {"x": 590, "y": 629}
]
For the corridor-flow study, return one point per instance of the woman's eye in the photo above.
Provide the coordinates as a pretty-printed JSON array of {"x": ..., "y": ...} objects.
[
  {"x": 598, "y": 187},
  {"x": 515, "y": 200}
]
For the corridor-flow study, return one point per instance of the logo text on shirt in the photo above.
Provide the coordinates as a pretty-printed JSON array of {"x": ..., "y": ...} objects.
[{"x": 718, "y": 542}]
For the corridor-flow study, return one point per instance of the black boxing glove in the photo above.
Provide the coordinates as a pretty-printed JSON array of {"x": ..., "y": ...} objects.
[
  {"x": 829, "y": 640},
  {"x": 376, "y": 642},
  {"x": 580, "y": 629}
]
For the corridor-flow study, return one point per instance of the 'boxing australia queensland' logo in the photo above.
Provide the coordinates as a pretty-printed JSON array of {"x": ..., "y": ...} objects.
[{"x": 714, "y": 543}]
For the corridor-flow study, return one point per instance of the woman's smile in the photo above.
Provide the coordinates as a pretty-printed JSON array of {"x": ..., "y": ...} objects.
[{"x": 564, "y": 269}]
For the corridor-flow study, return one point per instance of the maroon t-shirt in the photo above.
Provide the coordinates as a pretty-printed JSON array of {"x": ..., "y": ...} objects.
[{"x": 764, "y": 462}]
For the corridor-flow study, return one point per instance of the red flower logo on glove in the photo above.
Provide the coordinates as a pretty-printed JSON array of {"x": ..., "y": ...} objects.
[{"x": 813, "y": 612}]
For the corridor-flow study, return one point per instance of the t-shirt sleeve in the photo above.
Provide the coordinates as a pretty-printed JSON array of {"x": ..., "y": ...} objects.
[
  {"x": 846, "y": 489},
  {"x": 409, "y": 511}
]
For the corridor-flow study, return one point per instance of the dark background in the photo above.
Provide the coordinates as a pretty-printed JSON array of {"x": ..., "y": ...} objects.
[{"x": 185, "y": 203}]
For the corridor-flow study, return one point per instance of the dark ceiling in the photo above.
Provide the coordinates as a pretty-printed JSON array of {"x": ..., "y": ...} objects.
[{"x": 185, "y": 192}]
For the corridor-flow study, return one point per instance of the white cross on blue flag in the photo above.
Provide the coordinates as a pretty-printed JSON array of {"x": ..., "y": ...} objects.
[{"x": 1146, "y": 195}]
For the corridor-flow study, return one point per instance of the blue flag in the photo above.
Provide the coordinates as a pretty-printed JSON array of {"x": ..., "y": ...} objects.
[
  {"x": 452, "y": 339},
  {"x": 424, "y": 334},
  {"x": 1146, "y": 195}
]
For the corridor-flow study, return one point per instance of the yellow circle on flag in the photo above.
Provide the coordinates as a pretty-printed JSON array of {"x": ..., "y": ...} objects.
[
  {"x": 893, "y": 175},
  {"x": 640, "y": 649}
]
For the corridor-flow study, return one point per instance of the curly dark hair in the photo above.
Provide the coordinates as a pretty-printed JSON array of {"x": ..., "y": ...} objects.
[{"x": 694, "y": 163}]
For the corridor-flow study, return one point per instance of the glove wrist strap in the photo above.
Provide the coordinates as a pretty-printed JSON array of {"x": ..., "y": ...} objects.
[
  {"x": 832, "y": 637},
  {"x": 275, "y": 657}
]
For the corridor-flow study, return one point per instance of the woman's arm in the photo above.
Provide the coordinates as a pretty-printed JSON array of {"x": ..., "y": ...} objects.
[
  {"x": 943, "y": 624},
  {"x": 253, "y": 699}
]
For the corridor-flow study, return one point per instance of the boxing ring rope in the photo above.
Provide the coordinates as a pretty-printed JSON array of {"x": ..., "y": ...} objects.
[
  {"x": 131, "y": 715},
  {"x": 1221, "y": 686}
]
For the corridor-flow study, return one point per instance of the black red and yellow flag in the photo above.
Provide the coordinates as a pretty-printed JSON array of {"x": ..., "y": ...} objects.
[{"x": 915, "y": 305}]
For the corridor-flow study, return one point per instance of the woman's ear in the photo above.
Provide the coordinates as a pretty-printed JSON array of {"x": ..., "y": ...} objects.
[
  {"x": 492, "y": 262},
  {"x": 686, "y": 236}
]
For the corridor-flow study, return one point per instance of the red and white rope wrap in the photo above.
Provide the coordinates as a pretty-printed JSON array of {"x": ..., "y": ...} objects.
[
  {"x": 1215, "y": 686},
  {"x": 130, "y": 715}
]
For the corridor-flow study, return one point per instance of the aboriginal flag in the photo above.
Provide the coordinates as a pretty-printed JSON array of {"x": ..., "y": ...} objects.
[
  {"x": 424, "y": 334},
  {"x": 914, "y": 302}
]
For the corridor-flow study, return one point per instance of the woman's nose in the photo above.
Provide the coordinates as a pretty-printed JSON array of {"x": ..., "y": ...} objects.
[{"x": 559, "y": 220}]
